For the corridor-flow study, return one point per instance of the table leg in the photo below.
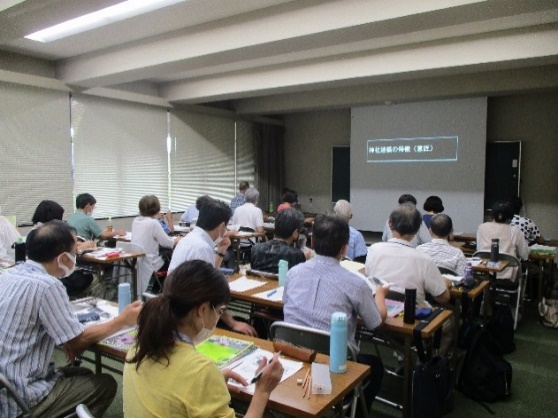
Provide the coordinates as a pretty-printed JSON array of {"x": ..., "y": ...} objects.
[
  {"x": 98, "y": 363},
  {"x": 407, "y": 376},
  {"x": 237, "y": 251}
]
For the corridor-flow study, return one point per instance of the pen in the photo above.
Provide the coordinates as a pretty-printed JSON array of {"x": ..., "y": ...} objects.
[
  {"x": 259, "y": 374},
  {"x": 274, "y": 291}
]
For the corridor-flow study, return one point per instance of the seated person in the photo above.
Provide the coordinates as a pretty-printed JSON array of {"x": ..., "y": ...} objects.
[
  {"x": 421, "y": 237},
  {"x": 32, "y": 329},
  {"x": 164, "y": 375},
  {"x": 402, "y": 265},
  {"x": 192, "y": 213},
  {"x": 439, "y": 249},
  {"x": 316, "y": 289},
  {"x": 432, "y": 206},
  {"x": 79, "y": 283},
  {"x": 266, "y": 255},
  {"x": 357, "y": 247},
  {"x": 248, "y": 215},
  {"x": 85, "y": 225},
  {"x": 239, "y": 199},
  {"x": 512, "y": 240},
  {"x": 289, "y": 201},
  {"x": 526, "y": 225},
  {"x": 148, "y": 233},
  {"x": 8, "y": 236},
  {"x": 208, "y": 241}
]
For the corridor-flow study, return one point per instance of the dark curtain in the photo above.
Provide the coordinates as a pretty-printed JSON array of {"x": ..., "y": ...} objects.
[{"x": 270, "y": 163}]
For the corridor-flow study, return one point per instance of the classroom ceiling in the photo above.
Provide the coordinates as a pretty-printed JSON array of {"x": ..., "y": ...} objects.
[{"x": 272, "y": 56}]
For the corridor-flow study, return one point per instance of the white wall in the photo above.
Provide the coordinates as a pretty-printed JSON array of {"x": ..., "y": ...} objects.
[{"x": 530, "y": 118}]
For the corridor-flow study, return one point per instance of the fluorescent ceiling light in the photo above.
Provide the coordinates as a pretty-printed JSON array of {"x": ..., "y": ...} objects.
[
  {"x": 118, "y": 12},
  {"x": 6, "y": 4}
]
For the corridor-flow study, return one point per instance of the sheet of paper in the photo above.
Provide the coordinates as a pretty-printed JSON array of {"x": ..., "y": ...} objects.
[
  {"x": 106, "y": 310},
  {"x": 128, "y": 236},
  {"x": 179, "y": 228},
  {"x": 454, "y": 279},
  {"x": 247, "y": 366},
  {"x": 352, "y": 265},
  {"x": 275, "y": 295},
  {"x": 243, "y": 233},
  {"x": 394, "y": 307},
  {"x": 475, "y": 261},
  {"x": 243, "y": 284}
]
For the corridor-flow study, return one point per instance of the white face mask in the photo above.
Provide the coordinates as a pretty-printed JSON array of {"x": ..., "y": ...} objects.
[
  {"x": 205, "y": 333},
  {"x": 67, "y": 271},
  {"x": 218, "y": 239}
]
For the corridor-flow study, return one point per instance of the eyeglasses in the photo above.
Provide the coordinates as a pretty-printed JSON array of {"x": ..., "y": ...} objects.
[{"x": 220, "y": 310}]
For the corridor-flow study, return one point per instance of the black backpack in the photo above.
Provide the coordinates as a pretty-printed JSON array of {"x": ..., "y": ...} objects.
[
  {"x": 501, "y": 327},
  {"x": 486, "y": 376}
]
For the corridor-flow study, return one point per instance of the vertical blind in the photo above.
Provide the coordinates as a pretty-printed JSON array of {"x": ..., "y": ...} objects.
[
  {"x": 35, "y": 150},
  {"x": 202, "y": 158},
  {"x": 120, "y": 153}
]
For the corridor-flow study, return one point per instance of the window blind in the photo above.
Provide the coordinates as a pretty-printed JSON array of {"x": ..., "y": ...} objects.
[
  {"x": 120, "y": 153},
  {"x": 202, "y": 158},
  {"x": 36, "y": 150},
  {"x": 245, "y": 153}
]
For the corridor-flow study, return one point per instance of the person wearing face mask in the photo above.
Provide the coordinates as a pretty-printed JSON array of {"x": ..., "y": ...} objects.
[
  {"x": 208, "y": 241},
  {"x": 85, "y": 226},
  {"x": 37, "y": 315},
  {"x": 164, "y": 375}
]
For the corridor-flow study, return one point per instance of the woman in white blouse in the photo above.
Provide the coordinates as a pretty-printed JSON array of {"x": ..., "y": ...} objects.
[{"x": 511, "y": 238}]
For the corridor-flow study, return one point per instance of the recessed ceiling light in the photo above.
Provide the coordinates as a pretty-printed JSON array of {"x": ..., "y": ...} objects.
[{"x": 118, "y": 12}]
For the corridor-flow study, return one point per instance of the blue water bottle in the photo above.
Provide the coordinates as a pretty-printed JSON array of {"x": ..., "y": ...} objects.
[
  {"x": 338, "y": 343},
  {"x": 283, "y": 267},
  {"x": 124, "y": 296}
]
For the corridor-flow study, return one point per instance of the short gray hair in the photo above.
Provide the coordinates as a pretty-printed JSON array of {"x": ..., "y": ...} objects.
[
  {"x": 251, "y": 195},
  {"x": 343, "y": 209},
  {"x": 405, "y": 219}
]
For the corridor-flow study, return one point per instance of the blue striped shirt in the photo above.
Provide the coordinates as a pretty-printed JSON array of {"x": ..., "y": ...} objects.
[
  {"x": 357, "y": 246},
  {"x": 36, "y": 315},
  {"x": 318, "y": 288}
]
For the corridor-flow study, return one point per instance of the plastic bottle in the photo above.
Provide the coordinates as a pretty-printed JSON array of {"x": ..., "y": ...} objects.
[
  {"x": 124, "y": 296},
  {"x": 20, "y": 251},
  {"x": 109, "y": 224},
  {"x": 338, "y": 343},
  {"x": 271, "y": 208},
  {"x": 283, "y": 267},
  {"x": 468, "y": 271}
]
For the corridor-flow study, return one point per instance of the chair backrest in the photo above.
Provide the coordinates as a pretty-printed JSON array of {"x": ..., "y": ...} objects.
[
  {"x": 444, "y": 270},
  {"x": 511, "y": 259},
  {"x": 5, "y": 384},
  {"x": 312, "y": 338},
  {"x": 145, "y": 296}
]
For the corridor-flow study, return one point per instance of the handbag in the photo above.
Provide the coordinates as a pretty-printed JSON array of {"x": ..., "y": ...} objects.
[{"x": 431, "y": 381}]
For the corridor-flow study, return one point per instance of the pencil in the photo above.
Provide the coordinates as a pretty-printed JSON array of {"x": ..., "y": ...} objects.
[
  {"x": 304, "y": 383},
  {"x": 310, "y": 388}
]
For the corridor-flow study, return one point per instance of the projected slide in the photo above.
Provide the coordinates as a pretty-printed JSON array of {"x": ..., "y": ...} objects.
[{"x": 397, "y": 150}]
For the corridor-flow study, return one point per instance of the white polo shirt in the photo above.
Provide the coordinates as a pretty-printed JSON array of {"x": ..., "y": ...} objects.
[{"x": 248, "y": 215}]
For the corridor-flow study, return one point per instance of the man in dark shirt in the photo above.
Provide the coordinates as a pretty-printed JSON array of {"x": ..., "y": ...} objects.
[{"x": 266, "y": 255}]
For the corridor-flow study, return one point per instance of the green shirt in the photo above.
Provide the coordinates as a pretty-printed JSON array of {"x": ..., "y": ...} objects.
[{"x": 85, "y": 225}]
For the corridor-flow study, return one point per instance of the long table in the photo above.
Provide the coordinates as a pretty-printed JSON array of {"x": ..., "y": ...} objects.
[
  {"x": 287, "y": 397},
  {"x": 392, "y": 327},
  {"x": 128, "y": 258}
]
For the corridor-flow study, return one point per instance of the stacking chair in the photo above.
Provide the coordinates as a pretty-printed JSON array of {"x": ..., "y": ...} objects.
[
  {"x": 7, "y": 386},
  {"x": 508, "y": 292},
  {"x": 316, "y": 340}
]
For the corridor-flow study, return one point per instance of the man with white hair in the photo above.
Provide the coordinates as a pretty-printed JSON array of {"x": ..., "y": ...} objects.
[
  {"x": 357, "y": 247},
  {"x": 248, "y": 215}
]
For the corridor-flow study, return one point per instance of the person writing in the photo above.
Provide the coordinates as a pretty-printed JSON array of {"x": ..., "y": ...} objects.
[{"x": 164, "y": 375}]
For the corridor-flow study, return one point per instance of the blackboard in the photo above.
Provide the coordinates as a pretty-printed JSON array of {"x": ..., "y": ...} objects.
[
  {"x": 340, "y": 173},
  {"x": 503, "y": 174}
]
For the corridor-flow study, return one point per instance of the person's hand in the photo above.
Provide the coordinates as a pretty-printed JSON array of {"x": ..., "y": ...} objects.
[
  {"x": 229, "y": 374},
  {"x": 244, "y": 328},
  {"x": 271, "y": 376},
  {"x": 120, "y": 232},
  {"x": 86, "y": 245},
  {"x": 382, "y": 290},
  {"x": 224, "y": 244},
  {"x": 129, "y": 315}
]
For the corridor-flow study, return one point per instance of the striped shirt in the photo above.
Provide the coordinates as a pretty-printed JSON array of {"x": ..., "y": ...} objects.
[
  {"x": 357, "y": 246},
  {"x": 36, "y": 315},
  {"x": 444, "y": 255},
  {"x": 318, "y": 288}
]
